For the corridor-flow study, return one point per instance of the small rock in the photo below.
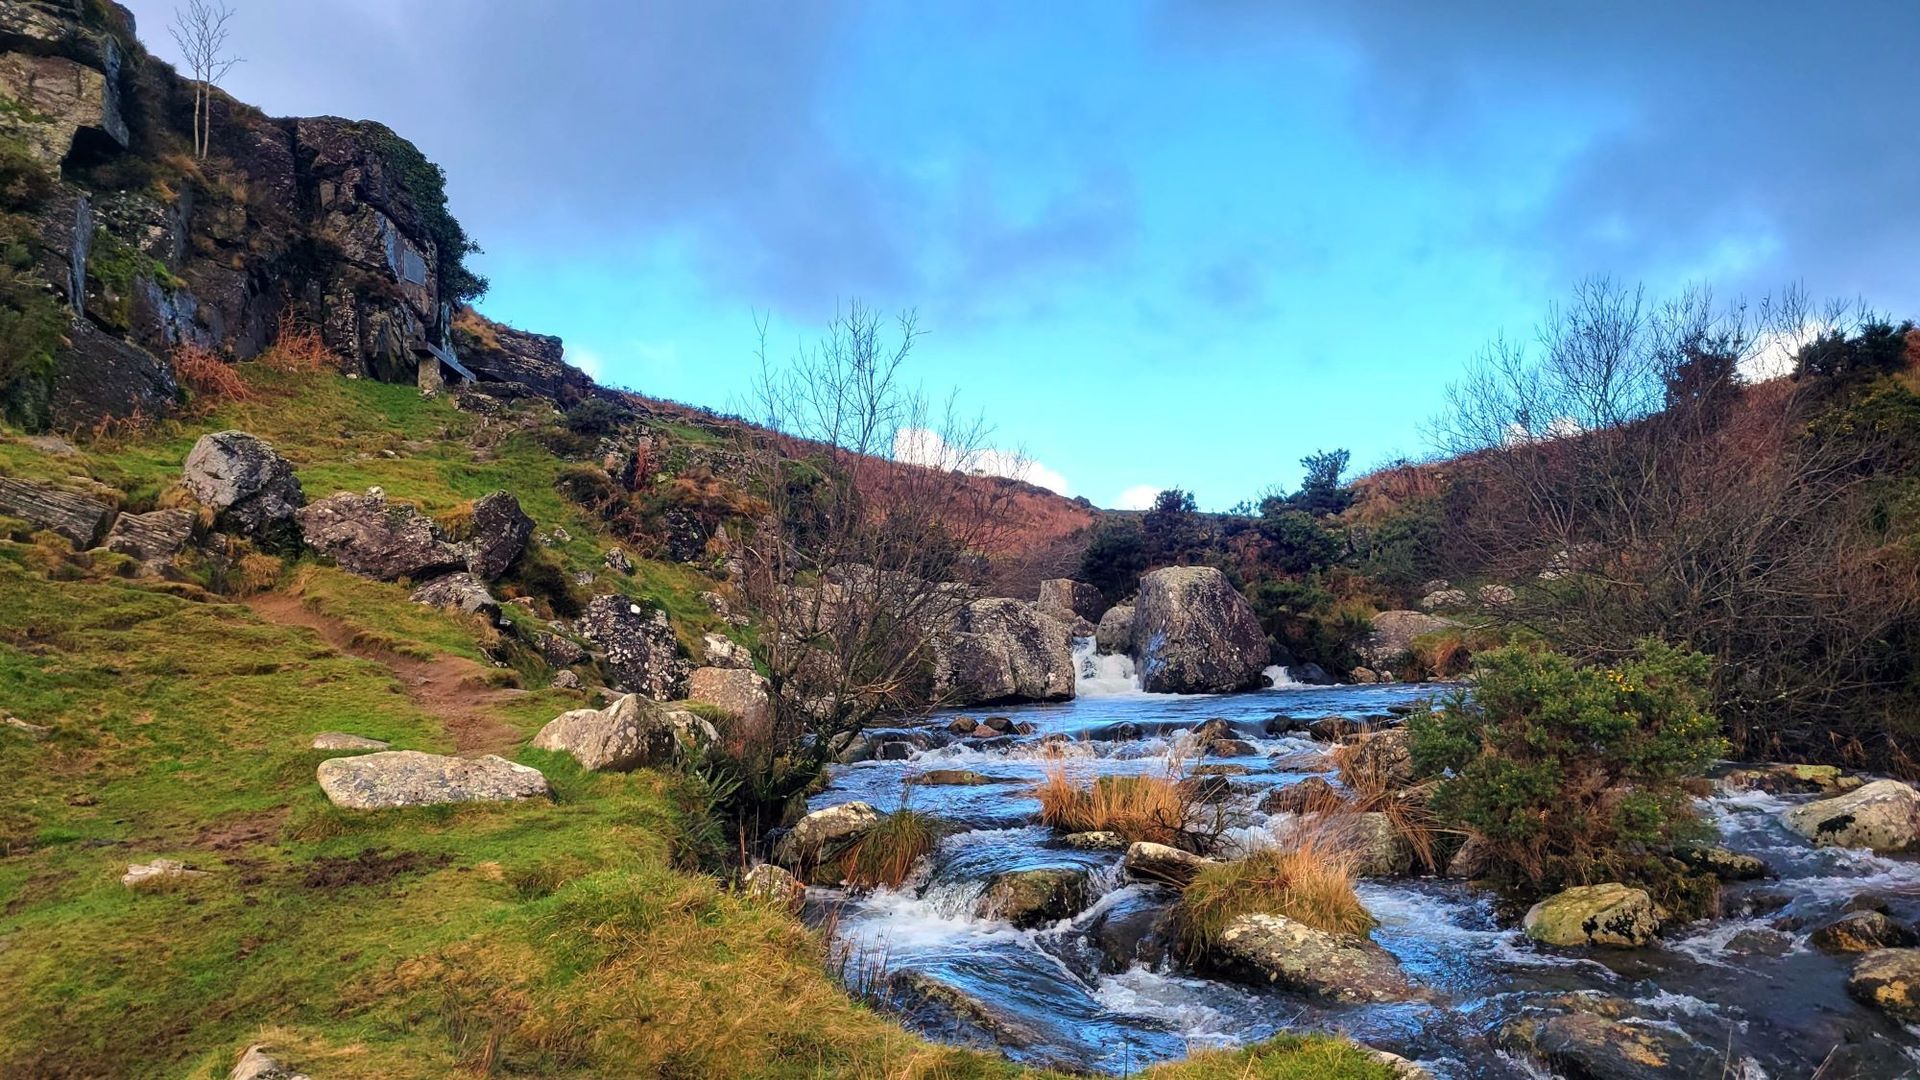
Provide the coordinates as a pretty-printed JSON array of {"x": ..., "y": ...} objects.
[
  {"x": 1147, "y": 861},
  {"x": 1031, "y": 898},
  {"x": 1863, "y": 931},
  {"x": 256, "y": 1064},
  {"x": 1333, "y": 728},
  {"x": 565, "y": 680},
  {"x": 723, "y": 652},
  {"x": 950, "y": 778},
  {"x": 396, "y": 778},
  {"x": 158, "y": 873},
  {"x": 32, "y": 731},
  {"x": 1292, "y": 955},
  {"x": 1889, "y": 980},
  {"x": 340, "y": 740},
  {"x": 1723, "y": 864},
  {"x": 1612, "y": 915},
  {"x": 559, "y": 651},
  {"x": 1385, "y": 757},
  {"x": 1095, "y": 841},
  {"x": 815, "y": 836},
  {"x": 1231, "y": 748},
  {"x": 1313, "y": 793},
  {"x": 1379, "y": 849},
  {"x": 153, "y": 538},
  {"x": 1598, "y": 1038},
  {"x": 774, "y": 885},
  {"x": 617, "y": 561},
  {"x": 460, "y": 592},
  {"x": 738, "y": 691}
]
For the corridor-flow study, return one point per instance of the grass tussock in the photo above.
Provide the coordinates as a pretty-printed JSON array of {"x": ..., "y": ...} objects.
[
  {"x": 1369, "y": 787},
  {"x": 883, "y": 856},
  {"x": 1310, "y": 883},
  {"x": 298, "y": 347},
  {"x": 1146, "y": 807},
  {"x": 210, "y": 380}
]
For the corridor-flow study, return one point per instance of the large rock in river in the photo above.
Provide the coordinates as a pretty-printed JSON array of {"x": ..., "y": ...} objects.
[
  {"x": 371, "y": 537},
  {"x": 1884, "y": 816},
  {"x": 631, "y": 733},
  {"x": 1612, "y": 914},
  {"x": 1029, "y": 898},
  {"x": 395, "y": 778},
  {"x": 1297, "y": 957},
  {"x": 814, "y": 838},
  {"x": 1115, "y": 632},
  {"x": 1002, "y": 650},
  {"x": 1072, "y": 602},
  {"x": 1889, "y": 980},
  {"x": 251, "y": 489},
  {"x": 1605, "y": 1039},
  {"x": 1194, "y": 634}
]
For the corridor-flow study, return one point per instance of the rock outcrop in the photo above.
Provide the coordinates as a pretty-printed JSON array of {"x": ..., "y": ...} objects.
[
  {"x": 738, "y": 691},
  {"x": 499, "y": 531},
  {"x": 1883, "y": 816},
  {"x": 371, "y": 537},
  {"x": 638, "y": 643},
  {"x": 1390, "y": 643},
  {"x": 1194, "y": 634},
  {"x": 631, "y": 733},
  {"x": 154, "y": 538},
  {"x": 1002, "y": 650},
  {"x": 1294, "y": 956},
  {"x": 1075, "y": 603},
  {"x": 251, "y": 489},
  {"x": 398, "y": 778},
  {"x": 501, "y": 354},
  {"x": 77, "y": 517},
  {"x": 1611, "y": 915}
]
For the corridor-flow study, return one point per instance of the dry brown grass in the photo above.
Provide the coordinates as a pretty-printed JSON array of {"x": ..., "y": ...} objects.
[
  {"x": 884, "y": 855},
  {"x": 1310, "y": 882},
  {"x": 297, "y": 346},
  {"x": 210, "y": 379},
  {"x": 1147, "y": 807},
  {"x": 1370, "y": 790}
]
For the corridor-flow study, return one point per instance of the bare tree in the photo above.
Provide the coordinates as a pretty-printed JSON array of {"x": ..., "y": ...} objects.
[
  {"x": 201, "y": 30},
  {"x": 1625, "y": 470},
  {"x": 877, "y": 525}
]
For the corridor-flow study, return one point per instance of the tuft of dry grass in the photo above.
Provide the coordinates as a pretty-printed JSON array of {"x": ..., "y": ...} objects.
[
  {"x": 1151, "y": 808},
  {"x": 210, "y": 379},
  {"x": 297, "y": 346},
  {"x": 883, "y": 856},
  {"x": 1311, "y": 883},
  {"x": 1370, "y": 790}
]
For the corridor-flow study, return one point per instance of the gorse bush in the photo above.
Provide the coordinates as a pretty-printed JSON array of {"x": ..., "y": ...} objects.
[{"x": 1572, "y": 773}]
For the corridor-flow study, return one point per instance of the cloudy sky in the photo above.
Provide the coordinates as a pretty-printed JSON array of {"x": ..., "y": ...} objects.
[{"x": 1157, "y": 243}]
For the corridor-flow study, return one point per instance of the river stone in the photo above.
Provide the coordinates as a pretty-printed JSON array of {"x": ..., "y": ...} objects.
[
  {"x": 394, "y": 778},
  {"x": 257, "y": 1064},
  {"x": 500, "y": 532},
  {"x": 1297, "y": 957},
  {"x": 1148, "y": 861},
  {"x": 1723, "y": 864},
  {"x": 629, "y": 734},
  {"x": 1612, "y": 914},
  {"x": 1385, "y": 756},
  {"x": 1378, "y": 848},
  {"x": 999, "y": 1023},
  {"x": 1002, "y": 650},
  {"x": 1889, "y": 980},
  {"x": 1195, "y": 634},
  {"x": 1099, "y": 840},
  {"x": 1312, "y": 793},
  {"x": 1589, "y": 1044},
  {"x": 951, "y": 778},
  {"x": 1115, "y": 632},
  {"x": 774, "y": 885},
  {"x": 1883, "y": 816},
  {"x": 817, "y": 834},
  {"x": 251, "y": 489},
  {"x": 1032, "y": 898},
  {"x": 1400, "y": 1067},
  {"x": 340, "y": 740},
  {"x": 373, "y": 538},
  {"x": 1072, "y": 602},
  {"x": 74, "y": 516},
  {"x": 1862, "y": 931},
  {"x": 460, "y": 592},
  {"x": 1135, "y": 925}
]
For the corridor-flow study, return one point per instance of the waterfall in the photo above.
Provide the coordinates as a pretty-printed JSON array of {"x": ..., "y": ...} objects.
[
  {"x": 1102, "y": 674},
  {"x": 1278, "y": 679}
]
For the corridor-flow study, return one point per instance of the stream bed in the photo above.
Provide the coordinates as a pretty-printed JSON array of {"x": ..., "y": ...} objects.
[{"x": 1086, "y": 994}]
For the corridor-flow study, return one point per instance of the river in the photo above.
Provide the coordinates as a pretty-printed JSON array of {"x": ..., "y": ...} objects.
[{"x": 1080, "y": 994}]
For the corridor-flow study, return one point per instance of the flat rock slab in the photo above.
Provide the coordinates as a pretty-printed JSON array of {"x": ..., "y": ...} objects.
[
  {"x": 396, "y": 778},
  {"x": 76, "y": 517},
  {"x": 340, "y": 740}
]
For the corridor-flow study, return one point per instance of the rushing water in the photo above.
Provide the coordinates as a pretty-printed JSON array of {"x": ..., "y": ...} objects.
[{"x": 1079, "y": 994}]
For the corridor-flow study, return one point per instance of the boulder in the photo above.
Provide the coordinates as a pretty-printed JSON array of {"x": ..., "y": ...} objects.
[
  {"x": 1384, "y": 756},
  {"x": 1378, "y": 848},
  {"x": 723, "y": 652},
  {"x": 1148, "y": 861},
  {"x": 158, "y": 874},
  {"x": 818, "y": 835},
  {"x": 1309, "y": 674},
  {"x": 1313, "y": 793},
  {"x": 458, "y": 592},
  {"x": 498, "y": 353},
  {"x": 1863, "y": 931},
  {"x": 1888, "y": 980},
  {"x": 340, "y": 740},
  {"x": 1115, "y": 632},
  {"x": 1721, "y": 863},
  {"x": 77, "y": 517},
  {"x": 500, "y": 531},
  {"x": 1138, "y": 925},
  {"x": 559, "y": 651},
  {"x": 1074, "y": 603},
  {"x": 631, "y": 733},
  {"x": 257, "y": 1064},
  {"x": 1611, "y": 915},
  {"x": 774, "y": 885},
  {"x": 1444, "y": 600},
  {"x": 998, "y": 1022},
  {"x": 1031, "y": 898},
  {"x": 1002, "y": 650},
  {"x": 1194, "y": 634},
  {"x": 1883, "y": 816},
  {"x": 1602, "y": 1038},
  {"x": 1390, "y": 643},
  {"x": 642, "y": 653},
  {"x": 738, "y": 691},
  {"x": 1294, "y": 956},
  {"x": 371, "y": 537},
  {"x": 153, "y": 538},
  {"x": 396, "y": 778},
  {"x": 250, "y": 488}
]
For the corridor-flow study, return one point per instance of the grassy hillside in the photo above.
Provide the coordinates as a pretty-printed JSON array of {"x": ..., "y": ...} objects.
[{"x": 586, "y": 937}]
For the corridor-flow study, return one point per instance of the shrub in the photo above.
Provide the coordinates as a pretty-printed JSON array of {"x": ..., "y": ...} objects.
[
  {"x": 208, "y": 378},
  {"x": 1572, "y": 773},
  {"x": 596, "y": 416},
  {"x": 297, "y": 346},
  {"x": 1311, "y": 883},
  {"x": 884, "y": 855},
  {"x": 1114, "y": 559}
]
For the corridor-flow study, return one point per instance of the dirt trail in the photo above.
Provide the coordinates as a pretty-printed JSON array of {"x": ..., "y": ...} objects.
[{"x": 452, "y": 688}]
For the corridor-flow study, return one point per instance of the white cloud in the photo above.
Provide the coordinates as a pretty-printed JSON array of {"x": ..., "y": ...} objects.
[
  {"x": 586, "y": 360},
  {"x": 1137, "y": 497},
  {"x": 922, "y": 446},
  {"x": 1772, "y": 356}
]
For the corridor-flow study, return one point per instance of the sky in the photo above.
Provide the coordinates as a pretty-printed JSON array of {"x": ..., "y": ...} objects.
[{"x": 1155, "y": 243}]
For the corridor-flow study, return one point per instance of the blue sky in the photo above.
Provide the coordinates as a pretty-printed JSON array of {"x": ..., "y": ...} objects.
[{"x": 1156, "y": 243}]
